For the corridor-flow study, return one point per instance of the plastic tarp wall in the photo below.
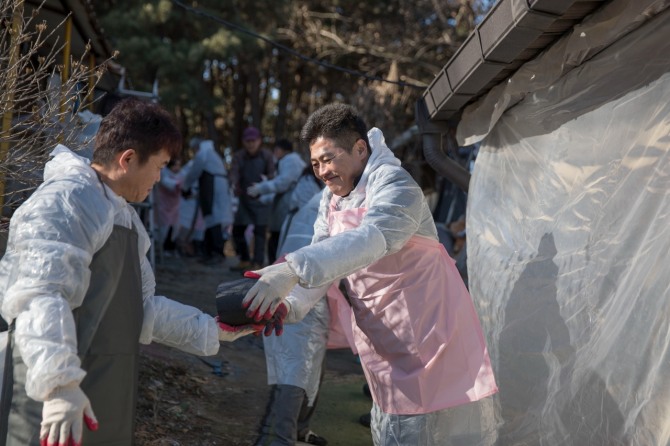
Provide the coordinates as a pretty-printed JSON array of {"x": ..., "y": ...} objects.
[{"x": 568, "y": 226}]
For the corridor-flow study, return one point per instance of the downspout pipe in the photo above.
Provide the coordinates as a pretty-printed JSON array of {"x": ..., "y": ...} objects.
[{"x": 433, "y": 134}]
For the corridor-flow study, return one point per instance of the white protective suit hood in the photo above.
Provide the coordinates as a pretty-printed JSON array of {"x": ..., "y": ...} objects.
[
  {"x": 380, "y": 154},
  {"x": 64, "y": 162}
]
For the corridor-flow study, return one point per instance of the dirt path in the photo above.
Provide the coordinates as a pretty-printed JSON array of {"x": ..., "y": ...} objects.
[{"x": 219, "y": 400}]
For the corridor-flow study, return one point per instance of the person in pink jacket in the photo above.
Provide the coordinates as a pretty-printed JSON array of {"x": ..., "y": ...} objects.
[
  {"x": 168, "y": 196},
  {"x": 415, "y": 326}
]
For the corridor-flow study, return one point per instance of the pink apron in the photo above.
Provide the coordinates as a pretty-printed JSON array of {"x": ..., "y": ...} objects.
[
  {"x": 416, "y": 329},
  {"x": 340, "y": 329}
]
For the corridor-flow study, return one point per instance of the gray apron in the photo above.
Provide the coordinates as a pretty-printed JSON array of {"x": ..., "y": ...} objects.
[{"x": 108, "y": 324}]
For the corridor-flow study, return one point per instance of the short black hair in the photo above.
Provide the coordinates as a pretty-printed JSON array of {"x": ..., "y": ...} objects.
[
  {"x": 135, "y": 124},
  {"x": 284, "y": 144},
  {"x": 339, "y": 122}
]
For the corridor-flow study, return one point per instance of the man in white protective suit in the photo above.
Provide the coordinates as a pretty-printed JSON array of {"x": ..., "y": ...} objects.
[
  {"x": 210, "y": 175},
  {"x": 290, "y": 167},
  {"x": 415, "y": 326},
  {"x": 77, "y": 290}
]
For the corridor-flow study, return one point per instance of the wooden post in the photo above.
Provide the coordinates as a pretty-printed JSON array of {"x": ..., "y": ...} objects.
[
  {"x": 65, "y": 74},
  {"x": 12, "y": 76}
]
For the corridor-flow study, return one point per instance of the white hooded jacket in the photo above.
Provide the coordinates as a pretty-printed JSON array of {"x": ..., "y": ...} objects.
[{"x": 45, "y": 274}]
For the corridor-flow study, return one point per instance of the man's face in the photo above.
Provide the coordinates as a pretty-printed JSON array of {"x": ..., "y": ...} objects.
[
  {"x": 138, "y": 180},
  {"x": 335, "y": 166},
  {"x": 252, "y": 145}
]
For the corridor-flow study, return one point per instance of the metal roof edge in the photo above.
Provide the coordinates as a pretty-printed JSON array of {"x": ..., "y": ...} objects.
[
  {"x": 585, "y": 41},
  {"x": 511, "y": 33}
]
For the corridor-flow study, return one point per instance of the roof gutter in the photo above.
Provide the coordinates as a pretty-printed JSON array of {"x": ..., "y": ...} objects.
[{"x": 433, "y": 134}]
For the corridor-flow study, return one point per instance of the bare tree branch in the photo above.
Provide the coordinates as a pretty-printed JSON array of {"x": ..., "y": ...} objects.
[{"x": 38, "y": 108}]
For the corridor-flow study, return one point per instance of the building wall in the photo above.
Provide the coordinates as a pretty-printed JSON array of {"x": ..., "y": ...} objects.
[{"x": 567, "y": 222}]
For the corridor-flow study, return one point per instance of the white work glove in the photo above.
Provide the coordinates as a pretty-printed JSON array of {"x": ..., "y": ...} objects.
[
  {"x": 264, "y": 297},
  {"x": 62, "y": 416},
  {"x": 229, "y": 333},
  {"x": 254, "y": 190}
]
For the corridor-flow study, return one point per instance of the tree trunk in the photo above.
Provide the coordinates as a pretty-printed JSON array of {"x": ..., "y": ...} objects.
[
  {"x": 255, "y": 97},
  {"x": 285, "y": 85},
  {"x": 239, "y": 101}
]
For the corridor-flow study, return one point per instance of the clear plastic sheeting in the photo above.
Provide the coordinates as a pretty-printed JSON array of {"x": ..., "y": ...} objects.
[
  {"x": 567, "y": 220},
  {"x": 469, "y": 424}
]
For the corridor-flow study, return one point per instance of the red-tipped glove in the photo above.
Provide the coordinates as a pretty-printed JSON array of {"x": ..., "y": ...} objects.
[
  {"x": 275, "y": 283},
  {"x": 276, "y": 323},
  {"x": 229, "y": 333},
  {"x": 276, "y": 320},
  {"x": 62, "y": 416}
]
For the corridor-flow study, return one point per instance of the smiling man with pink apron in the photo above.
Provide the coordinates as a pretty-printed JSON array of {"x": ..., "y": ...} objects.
[{"x": 415, "y": 326}]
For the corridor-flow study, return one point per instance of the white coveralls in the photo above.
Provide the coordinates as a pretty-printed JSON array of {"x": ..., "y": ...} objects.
[
  {"x": 207, "y": 160},
  {"x": 289, "y": 169},
  {"x": 294, "y": 360},
  {"x": 214, "y": 200},
  {"x": 279, "y": 189},
  {"x": 191, "y": 223},
  {"x": 416, "y": 330},
  {"x": 295, "y": 357},
  {"x": 45, "y": 275}
]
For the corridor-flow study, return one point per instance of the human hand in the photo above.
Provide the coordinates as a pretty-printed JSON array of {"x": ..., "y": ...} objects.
[
  {"x": 62, "y": 416},
  {"x": 253, "y": 190},
  {"x": 274, "y": 284},
  {"x": 276, "y": 323},
  {"x": 229, "y": 333}
]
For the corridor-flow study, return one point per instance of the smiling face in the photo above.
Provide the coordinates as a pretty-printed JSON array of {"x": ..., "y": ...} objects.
[
  {"x": 337, "y": 168},
  {"x": 138, "y": 179}
]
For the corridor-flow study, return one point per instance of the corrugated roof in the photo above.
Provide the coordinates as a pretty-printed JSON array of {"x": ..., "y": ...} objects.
[{"x": 511, "y": 33}]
